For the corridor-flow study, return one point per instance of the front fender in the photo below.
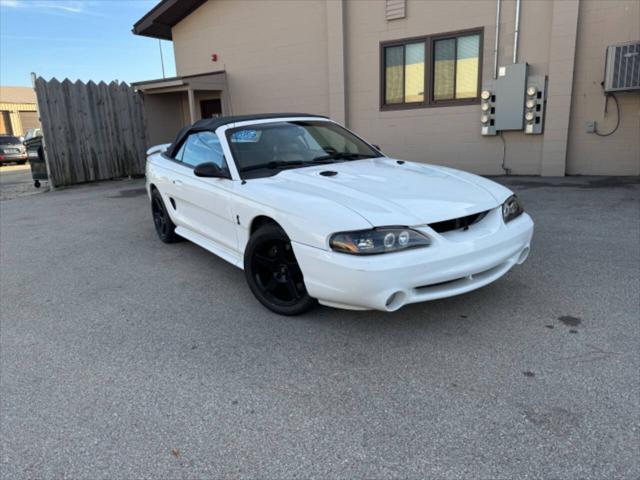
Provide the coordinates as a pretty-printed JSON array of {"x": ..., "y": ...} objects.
[{"x": 306, "y": 219}]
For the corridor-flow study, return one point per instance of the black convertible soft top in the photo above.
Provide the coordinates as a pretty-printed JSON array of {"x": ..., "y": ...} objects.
[{"x": 211, "y": 124}]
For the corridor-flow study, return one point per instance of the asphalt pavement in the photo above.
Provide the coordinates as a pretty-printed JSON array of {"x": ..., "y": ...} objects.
[
  {"x": 16, "y": 181},
  {"x": 125, "y": 358}
]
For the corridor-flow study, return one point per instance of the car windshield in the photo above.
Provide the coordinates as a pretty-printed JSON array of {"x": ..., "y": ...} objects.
[
  {"x": 265, "y": 149},
  {"x": 31, "y": 133},
  {"x": 8, "y": 140}
]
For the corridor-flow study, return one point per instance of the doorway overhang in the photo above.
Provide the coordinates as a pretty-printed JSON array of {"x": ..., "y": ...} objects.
[{"x": 211, "y": 81}]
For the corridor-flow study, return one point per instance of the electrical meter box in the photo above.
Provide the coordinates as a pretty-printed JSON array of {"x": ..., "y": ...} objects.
[
  {"x": 535, "y": 103},
  {"x": 513, "y": 101},
  {"x": 510, "y": 87}
]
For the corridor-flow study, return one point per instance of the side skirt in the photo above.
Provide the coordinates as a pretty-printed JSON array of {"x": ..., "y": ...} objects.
[{"x": 224, "y": 253}]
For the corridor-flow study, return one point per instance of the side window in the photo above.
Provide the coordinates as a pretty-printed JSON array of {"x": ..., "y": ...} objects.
[
  {"x": 200, "y": 148},
  {"x": 180, "y": 152}
]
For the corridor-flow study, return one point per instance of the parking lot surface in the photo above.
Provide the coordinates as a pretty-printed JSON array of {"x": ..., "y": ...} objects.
[
  {"x": 123, "y": 357},
  {"x": 16, "y": 181}
]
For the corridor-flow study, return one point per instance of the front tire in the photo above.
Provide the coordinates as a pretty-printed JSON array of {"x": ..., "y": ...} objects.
[
  {"x": 165, "y": 228},
  {"x": 273, "y": 273}
]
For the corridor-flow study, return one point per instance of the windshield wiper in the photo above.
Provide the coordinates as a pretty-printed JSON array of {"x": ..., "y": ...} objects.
[
  {"x": 277, "y": 164},
  {"x": 273, "y": 165},
  {"x": 342, "y": 156}
]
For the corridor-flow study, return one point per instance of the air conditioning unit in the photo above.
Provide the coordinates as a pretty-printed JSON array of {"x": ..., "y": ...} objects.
[{"x": 622, "y": 67}]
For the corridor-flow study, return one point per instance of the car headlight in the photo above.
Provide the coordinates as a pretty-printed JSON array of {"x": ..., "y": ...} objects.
[
  {"x": 511, "y": 208},
  {"x": 378, "y": 240}
]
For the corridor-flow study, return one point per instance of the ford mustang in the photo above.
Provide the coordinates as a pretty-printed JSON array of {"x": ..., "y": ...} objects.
[{"x": 313, "y": 213}]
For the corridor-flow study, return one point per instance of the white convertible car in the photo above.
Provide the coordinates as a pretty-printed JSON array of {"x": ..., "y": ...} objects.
[{"x": 313, "y": 213}]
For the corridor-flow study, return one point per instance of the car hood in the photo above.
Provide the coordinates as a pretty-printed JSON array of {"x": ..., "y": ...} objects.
[{"x": 386, "y": 191}]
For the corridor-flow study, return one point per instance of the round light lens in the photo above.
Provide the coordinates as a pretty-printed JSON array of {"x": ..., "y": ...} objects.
[
  {"x": 389, "y": 239},
  {"x": 531, "y": 91},
  {"x": 484, "y": 118},
  {"x": 403, "y": 238},
  {"x": 531, "y": 103},
  {"x": 485, "y": 95},
  {"x": 529, "y": 116},
  {"x": 485, "y": 107}
]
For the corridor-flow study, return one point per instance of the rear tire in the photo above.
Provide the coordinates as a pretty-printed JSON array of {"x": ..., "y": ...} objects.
[
  {"x": 273, "y": 273},
  {"x": 165, "y": 228}
]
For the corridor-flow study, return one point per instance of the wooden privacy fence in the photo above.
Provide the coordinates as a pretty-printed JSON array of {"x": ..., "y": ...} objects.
[{"x": 91, "y": 131}]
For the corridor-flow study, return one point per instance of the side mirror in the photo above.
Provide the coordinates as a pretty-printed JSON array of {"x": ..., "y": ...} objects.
[{"x": 210, "y": 170}]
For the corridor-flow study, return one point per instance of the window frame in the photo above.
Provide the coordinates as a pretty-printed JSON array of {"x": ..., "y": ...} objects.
[
  {"x": 230, "y": 129},
  {"x": 429, "y": 101},
  {"x": 190, "y": 167}
]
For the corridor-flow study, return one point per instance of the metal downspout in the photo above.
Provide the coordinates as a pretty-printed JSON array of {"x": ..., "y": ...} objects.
[
  {"x": 517, "y": 31},
  {"x": 495, "y": 48}
]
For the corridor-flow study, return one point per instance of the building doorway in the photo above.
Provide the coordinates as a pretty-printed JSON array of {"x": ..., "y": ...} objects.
[{"x": 211, "y": 108}]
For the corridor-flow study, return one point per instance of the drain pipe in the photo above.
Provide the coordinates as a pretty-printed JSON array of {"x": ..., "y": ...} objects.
[
  {"x": 495, "y": 48},
  {"x": 504, "y": 167},
  {"x": 515, "y": 35}
]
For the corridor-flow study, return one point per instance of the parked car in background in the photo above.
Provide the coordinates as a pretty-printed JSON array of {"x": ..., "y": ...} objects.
[
  {"x": 311, "y": 212},
  {"x": 12, "y": 150},
  {"x": 32, "y": 133}
]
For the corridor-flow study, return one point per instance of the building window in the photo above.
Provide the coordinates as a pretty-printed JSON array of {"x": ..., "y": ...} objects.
[
  {"x": 455, "y": 67},
  {"x": 450, "y": 77},
  {"x": 404, "y": 73}
]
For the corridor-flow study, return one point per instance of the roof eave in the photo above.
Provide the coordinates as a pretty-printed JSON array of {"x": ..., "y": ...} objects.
[
  {"x": 158, "y": 22},
  {"x": 154, "y": 31}
]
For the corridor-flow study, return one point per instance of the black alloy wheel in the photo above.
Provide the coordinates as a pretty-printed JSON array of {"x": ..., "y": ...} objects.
[
  {"x": 165, "y": 228},
  {"x": 273, "y": 273}
]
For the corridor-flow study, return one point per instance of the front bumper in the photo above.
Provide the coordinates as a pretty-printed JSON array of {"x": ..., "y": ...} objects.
[{"x": 455, "y": 263}]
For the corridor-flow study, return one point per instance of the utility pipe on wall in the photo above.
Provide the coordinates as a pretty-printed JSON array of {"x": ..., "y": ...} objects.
[
  {"x": 495, "y": 48},
  {"x": 517, "y": 30}
]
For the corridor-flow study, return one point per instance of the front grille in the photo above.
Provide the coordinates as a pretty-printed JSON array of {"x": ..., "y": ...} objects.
[{"x": 458, "y": 223}]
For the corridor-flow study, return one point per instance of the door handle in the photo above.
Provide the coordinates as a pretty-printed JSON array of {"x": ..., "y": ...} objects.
[{"x": 177, "y": 182}]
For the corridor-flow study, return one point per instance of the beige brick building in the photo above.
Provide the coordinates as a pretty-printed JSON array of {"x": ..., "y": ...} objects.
[
  {"x": 407, "y": 74},
  {"x": 18, "y": 112}
]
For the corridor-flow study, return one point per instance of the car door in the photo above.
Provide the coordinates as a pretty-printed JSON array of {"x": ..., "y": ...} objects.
[{"x": 204, "y": 204}]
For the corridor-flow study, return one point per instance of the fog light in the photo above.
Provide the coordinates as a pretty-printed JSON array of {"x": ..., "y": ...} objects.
[{"x": 395, "y": 301}]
